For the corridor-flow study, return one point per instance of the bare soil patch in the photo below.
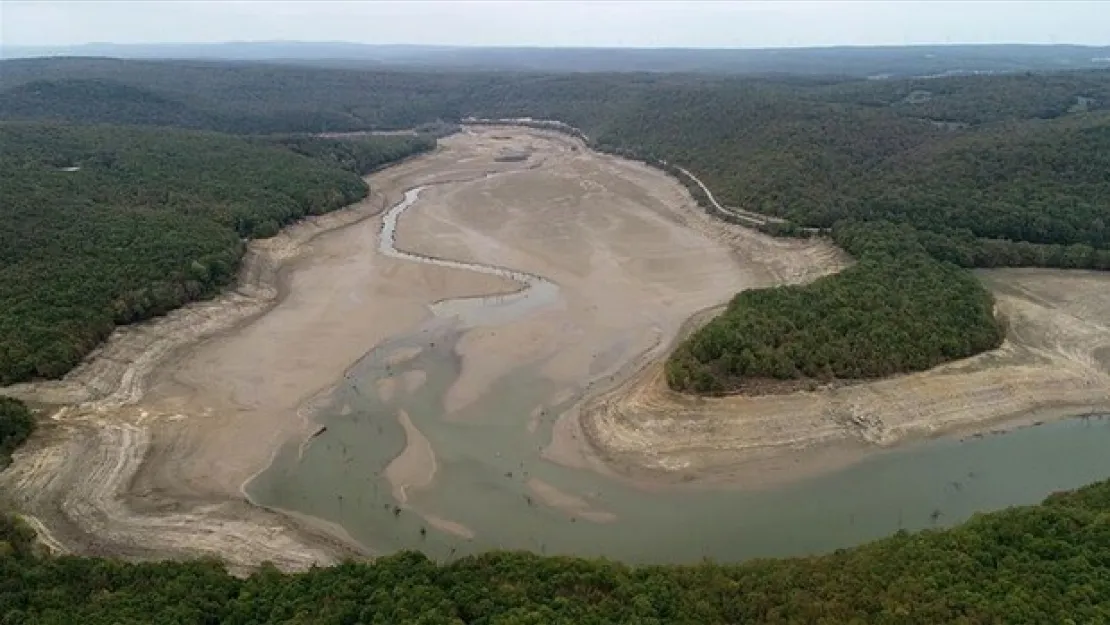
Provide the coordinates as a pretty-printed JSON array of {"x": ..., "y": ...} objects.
[{"x": 571, "y": 505}]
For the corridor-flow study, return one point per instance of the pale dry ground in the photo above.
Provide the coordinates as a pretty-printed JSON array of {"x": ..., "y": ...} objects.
[
  {"x": 1054, "y": 363},
  {"x": 160, "y": 428},
  {"x": 633, "y": 255}
]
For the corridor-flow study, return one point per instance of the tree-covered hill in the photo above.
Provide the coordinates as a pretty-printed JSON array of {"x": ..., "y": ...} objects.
[
  {"x": 767, "y": 147},
  {"x": 93, "y": 101},
  {"x": 1048, "y": 563},
  {"x": 898, "y": 309},
  {"x": 360, "y": 156},
  {"x": 860, "y": 61},
  {"x": 302, "y": 98},
  {"x": 234, "y": 97},
  {"x": 104, "y": 225},
  {"x": 1038, "y": 181},
  {"x": 983, "y": 99},
  {"x": 16, "y": 424}
]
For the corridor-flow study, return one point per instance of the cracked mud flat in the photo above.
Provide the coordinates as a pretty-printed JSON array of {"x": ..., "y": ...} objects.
[{"x": 161, "y": 429}]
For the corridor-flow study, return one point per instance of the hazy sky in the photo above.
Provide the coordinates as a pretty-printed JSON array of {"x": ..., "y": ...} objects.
[{"x": 647, "y": 23}]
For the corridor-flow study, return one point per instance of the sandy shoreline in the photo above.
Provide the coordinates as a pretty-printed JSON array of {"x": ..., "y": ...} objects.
[{"x": 161, "y": 428}]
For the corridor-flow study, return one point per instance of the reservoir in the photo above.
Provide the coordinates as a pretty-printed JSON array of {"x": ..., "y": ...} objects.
[{"x": 482, "y": 483}]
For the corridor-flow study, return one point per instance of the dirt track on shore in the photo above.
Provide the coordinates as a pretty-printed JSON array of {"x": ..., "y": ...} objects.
[{"x": 160, "y": 429}]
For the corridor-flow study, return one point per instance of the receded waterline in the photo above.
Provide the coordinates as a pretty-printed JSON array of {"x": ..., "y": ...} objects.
[{"x": 489, "y": 464}]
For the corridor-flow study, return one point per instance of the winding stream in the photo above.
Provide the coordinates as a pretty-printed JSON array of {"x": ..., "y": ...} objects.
[
  {"x": 492, "y": 488},
  {"x": 471, "y": 311}
]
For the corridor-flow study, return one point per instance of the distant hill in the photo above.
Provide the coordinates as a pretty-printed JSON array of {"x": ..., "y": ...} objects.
[
  {"x": 97, "y": 101},
  {"x": 878, "y": 62}
]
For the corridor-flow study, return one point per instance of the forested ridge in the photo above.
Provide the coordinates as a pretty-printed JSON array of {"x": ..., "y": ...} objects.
[
  {"x": 982, "y": 99},
  {"x": 360, "y": 155},
  {"x": 16, "y": 424},
  {"x": 106, "y": 225},
  {"x": 1048, "y": 563},
  {"x": 858, "y": 61}
]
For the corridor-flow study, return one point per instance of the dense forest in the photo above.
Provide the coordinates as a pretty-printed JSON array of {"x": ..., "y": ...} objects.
[
  {"x": 897, "y": 309},
  {"x": 105, "y": 225},
  {"x": 1047, "y": 563},
  {"x": 16, "y": 424},
  {"x": 976, "y": 171},
  {"x": 982, "y": 99},
  {"x": 357, "y": 155}
]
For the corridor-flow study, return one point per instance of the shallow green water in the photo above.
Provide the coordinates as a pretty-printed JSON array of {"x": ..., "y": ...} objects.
[{"x": 485, "y": 462}]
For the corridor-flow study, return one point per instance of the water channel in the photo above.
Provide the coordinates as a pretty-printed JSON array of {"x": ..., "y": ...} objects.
[{"x": 485, "y": 459}]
